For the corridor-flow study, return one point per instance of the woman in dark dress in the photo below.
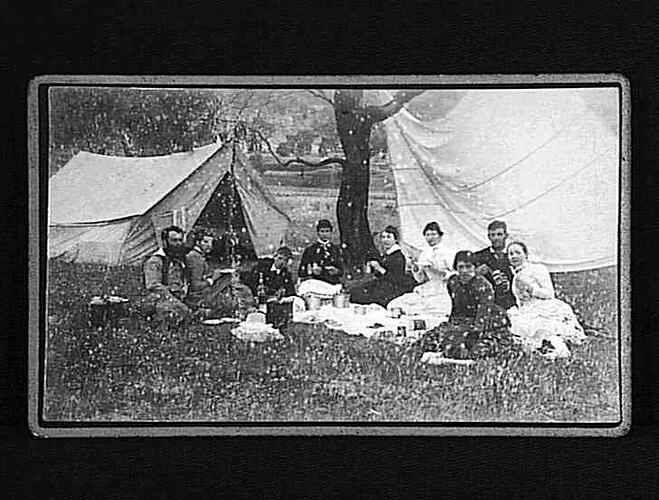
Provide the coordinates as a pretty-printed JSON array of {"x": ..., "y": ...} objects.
[
  {"x": 391, "y": 280},
  {"x": 477, "y": 327}
]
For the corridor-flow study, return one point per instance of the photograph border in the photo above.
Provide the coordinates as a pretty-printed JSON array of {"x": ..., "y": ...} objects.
[{"x": 37, "y": 203}]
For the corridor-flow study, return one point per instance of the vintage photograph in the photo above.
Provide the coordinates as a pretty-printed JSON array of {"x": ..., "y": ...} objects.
[{"x": 329, "y": 255}]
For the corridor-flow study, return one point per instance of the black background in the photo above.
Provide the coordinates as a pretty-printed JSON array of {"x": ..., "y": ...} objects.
[{"x": 170, "y": 38}]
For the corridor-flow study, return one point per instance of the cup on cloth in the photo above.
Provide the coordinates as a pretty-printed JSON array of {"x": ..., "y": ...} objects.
[{"x": 396, "y": 312}]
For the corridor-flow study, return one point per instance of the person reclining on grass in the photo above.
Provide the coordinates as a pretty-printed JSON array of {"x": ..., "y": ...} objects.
[
  {"x": 321, "y": 266},
  {"x": 477, "y": 326},
  {"x": 166, "y": 278},
  {"x": 210, "y": 290}
]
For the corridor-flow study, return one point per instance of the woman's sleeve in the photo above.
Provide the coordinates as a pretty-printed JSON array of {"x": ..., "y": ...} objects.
[
  {"x": 443, "y": 265},
  {"x": 543, "y": 288}
]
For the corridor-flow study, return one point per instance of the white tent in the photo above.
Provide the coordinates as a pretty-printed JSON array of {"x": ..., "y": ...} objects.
[
  {"x": 543, "y": 160},
  {"x": 111, "y": 209}
]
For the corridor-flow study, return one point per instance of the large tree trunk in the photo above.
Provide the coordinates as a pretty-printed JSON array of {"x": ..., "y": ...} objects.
[
  {"x": 354, "y": 129},
  {"x": 354, "y": 123},
  {"x": 352, "y": 214}
]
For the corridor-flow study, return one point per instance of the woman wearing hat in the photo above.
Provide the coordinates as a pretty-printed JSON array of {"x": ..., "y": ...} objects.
[
  {"x": 432, "y": 270},
  {"x": 477, "y": 327}
]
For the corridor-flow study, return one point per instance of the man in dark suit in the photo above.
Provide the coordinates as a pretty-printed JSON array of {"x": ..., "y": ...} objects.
[
  {"x": 322, "y": 260},
  {"x": 277, "y": 279},
  {"x": 492, "y": 263}
]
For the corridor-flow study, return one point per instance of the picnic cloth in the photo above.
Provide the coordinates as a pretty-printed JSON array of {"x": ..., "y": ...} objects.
[
  {"x": 318, "y": 287},
  {"x": 374, "y": 322}
]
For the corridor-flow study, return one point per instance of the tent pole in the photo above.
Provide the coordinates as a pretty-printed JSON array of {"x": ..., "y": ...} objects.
[
  {"x": 232, "y": 230},
  {"x": 232, "y": 201}
]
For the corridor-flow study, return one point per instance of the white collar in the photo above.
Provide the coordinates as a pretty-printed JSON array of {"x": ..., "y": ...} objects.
[
  {"x": 160, "y": 252},
  {"x": 393, "y": 248},
  {"x": 324, "y": 243}
]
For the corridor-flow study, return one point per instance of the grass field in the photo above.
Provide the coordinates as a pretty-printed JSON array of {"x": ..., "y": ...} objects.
[{"x": 137, "y": 372}]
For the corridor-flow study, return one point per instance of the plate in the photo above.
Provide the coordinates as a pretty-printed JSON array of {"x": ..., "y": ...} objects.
[
  {"x": 219, "y": 321},
  {"x": 214, "y": 321},
  {"x": 114, "y": 299}
]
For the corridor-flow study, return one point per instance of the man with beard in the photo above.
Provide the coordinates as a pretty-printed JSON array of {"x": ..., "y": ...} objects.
[
  {"x": 166, "y": 278},
  {"x": 493, "y": 264}
]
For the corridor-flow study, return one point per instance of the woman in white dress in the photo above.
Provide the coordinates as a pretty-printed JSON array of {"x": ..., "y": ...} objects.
[
  {"x": 432, "y": 269},
  {"x": 540, "y": 321}
]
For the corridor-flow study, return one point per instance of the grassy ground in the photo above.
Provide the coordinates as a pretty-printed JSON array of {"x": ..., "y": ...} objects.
[{"x": 138, "y": 372}]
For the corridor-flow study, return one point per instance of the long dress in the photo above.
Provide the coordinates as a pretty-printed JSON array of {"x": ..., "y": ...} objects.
[
  {"x": 432, "y": 296},
  {"x": 540, "y": 317},
  {"x": 384, "y": 287},
  {"x": 477, "y": 326}
]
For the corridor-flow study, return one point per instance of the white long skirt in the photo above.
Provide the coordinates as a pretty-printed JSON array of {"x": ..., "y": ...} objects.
[
  {"x": 549, "y": 319},
  {"x": 428, "y": 298}
]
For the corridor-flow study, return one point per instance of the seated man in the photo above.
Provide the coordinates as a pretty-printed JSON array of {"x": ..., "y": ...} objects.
[
  {"x": 211, "y": 290},
  {"x": 493, "y": 264},
  {"x": 277, "y": 279},
  {"x": 321, "y": 266},
  {"x": 165, "y": 278}
]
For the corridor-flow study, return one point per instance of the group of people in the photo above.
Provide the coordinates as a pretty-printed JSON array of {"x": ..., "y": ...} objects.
[
  {"x": 492, "y": 297},
  {"x": 489, "y": 297},
  {"x": 183, "y": 282}
]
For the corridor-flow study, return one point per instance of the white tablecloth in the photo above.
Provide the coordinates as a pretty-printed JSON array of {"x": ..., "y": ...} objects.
[{"x": 370, "y": 321}]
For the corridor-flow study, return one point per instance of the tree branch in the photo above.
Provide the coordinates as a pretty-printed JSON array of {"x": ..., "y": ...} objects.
[
  {"x": 322, "y": 163},
  {"x": 320, "y": 95},
  {"x": 301, "y": 161},
  {"x": 380, "y": 113}
]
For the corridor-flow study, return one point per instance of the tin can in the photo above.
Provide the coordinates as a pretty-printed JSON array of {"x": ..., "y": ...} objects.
[
  {"x": 341, "y": 300},
  {"x": 419, "y": 324},
  {"x": 402, "y": 330}
]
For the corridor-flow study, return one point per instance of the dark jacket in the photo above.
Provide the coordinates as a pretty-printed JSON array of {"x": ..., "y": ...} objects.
[
  {"x": 503, "y": 295},
  {"x": 273, "y": 280},
  {"x": 324, "y": 255},
  {"x": 386, "y": 287}
]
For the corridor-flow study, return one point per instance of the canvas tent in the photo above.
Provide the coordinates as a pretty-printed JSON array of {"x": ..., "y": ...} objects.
[
  {"x": 546, "y": 161},
  {"x": 110, "y": 210}
]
